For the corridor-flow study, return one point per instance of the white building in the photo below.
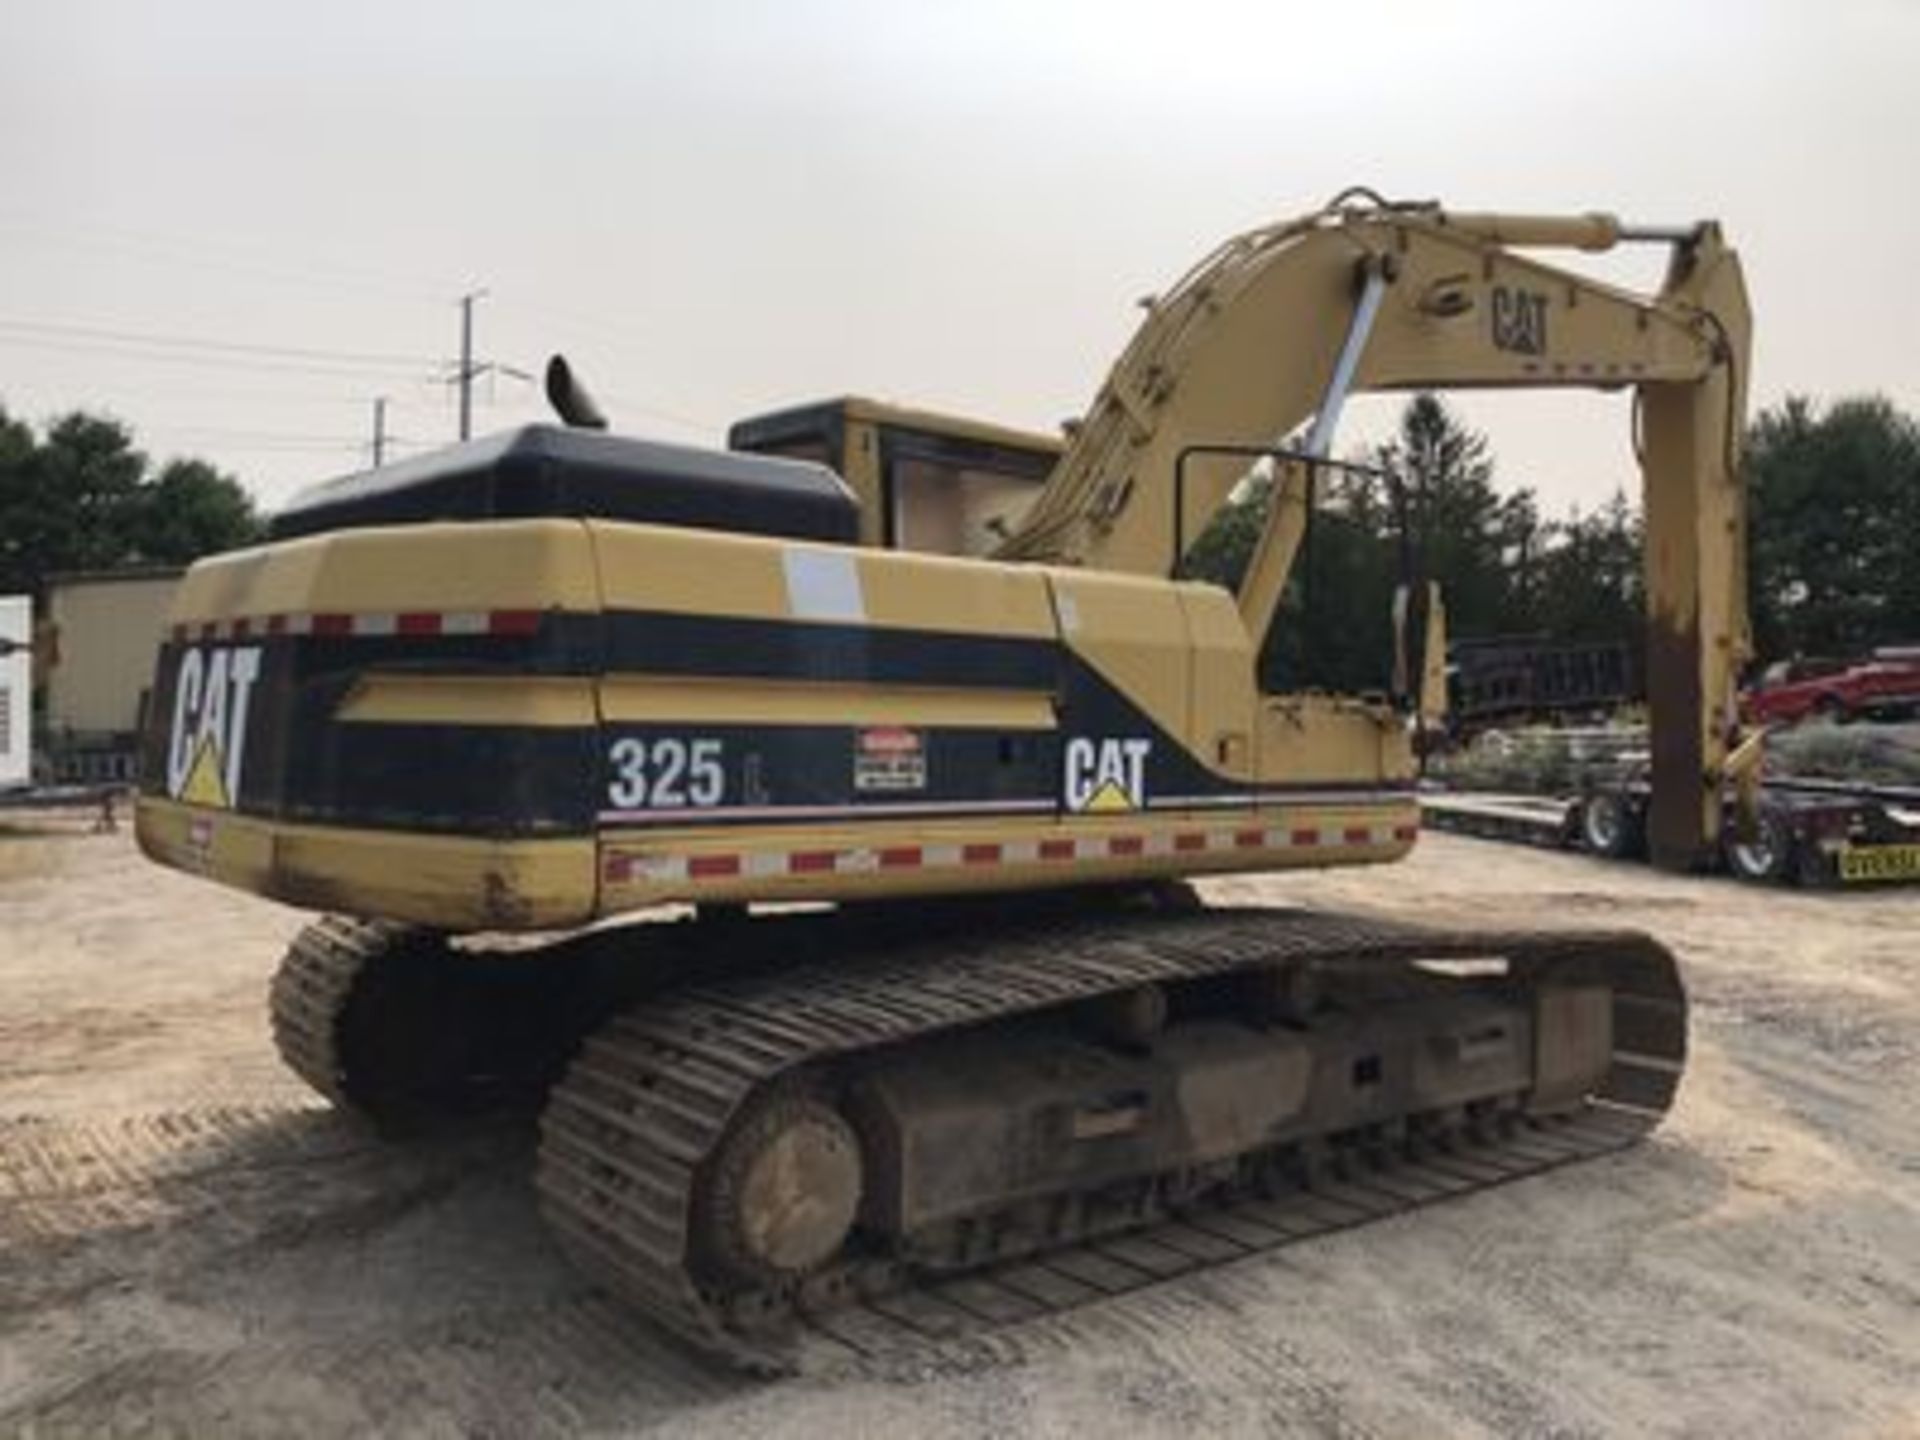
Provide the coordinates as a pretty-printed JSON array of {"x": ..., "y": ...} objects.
[{"x": 16, "y": 690}]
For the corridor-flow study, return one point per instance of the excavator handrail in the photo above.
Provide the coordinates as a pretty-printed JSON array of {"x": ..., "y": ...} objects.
[{"x": 1290, "y": 453}]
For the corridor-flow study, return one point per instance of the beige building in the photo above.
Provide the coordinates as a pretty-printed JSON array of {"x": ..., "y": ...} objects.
[{"x": 103, "y": 631}]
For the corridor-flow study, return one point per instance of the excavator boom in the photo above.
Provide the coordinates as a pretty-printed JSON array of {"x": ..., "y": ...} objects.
[{"x": 1268, "y": 335}]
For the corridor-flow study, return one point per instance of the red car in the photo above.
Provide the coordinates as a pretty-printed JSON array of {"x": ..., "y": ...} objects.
[{"x": 1790, "y": 690}]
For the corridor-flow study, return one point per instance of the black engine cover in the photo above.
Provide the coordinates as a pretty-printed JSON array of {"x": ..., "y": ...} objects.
[{"x": 550, "y": 470}]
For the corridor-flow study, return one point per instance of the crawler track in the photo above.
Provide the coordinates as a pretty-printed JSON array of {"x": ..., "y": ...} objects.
[
  {"x": 310, "y": 993},
  {"x": 395, "y": 1024},
  {"x": 650, "y": 1097}
]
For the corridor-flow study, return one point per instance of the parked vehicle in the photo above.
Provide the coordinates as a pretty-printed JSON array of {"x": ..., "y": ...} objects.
[{"x": 1789, "y": 691}]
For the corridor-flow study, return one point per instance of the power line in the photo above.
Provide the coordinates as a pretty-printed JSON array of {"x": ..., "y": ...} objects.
[
  {"x": 257, "y": 364},
  {"x": 196, "y": 252},
  {"x": 221, "y": 432},
  {"x": 173, "y": 389},
  {"x": 276, "y": 447},
  {"x": 620, "y": 338},
  {"x": 617, "y": 405},
  {"x": 190, "y": 342}
]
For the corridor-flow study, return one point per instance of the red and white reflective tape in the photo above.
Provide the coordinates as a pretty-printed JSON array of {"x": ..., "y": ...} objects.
[
  {"x": 656, "y": 867},
  {"x": 330, "y": 623}
]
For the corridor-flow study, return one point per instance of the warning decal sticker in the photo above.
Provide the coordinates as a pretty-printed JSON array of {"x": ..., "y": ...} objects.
[{"x": 888, "y": 759}]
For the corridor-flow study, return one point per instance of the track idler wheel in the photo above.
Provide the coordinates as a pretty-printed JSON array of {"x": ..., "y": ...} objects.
[{"x": 782, "y": 1193}]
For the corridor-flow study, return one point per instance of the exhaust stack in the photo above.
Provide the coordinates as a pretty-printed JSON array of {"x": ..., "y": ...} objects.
[{"x": 570, "y": 399}]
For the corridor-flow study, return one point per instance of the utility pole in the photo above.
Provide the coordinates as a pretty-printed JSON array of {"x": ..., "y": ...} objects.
[
  {"x": 467, "y": 368},
  {"x": 379, "y": 431}
]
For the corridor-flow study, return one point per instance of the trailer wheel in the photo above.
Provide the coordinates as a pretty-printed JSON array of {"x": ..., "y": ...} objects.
[
  {"x": 1813, "y": 868},
  {"x": 1608, "y": 826},
  {"x": 1767, "y": 858}
]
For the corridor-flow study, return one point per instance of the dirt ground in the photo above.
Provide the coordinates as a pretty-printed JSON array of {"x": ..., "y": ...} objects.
[{"x": 190, "y": 1244}]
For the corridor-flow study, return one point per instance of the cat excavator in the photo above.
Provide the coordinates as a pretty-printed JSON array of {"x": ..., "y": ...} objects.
[{"x": 913, "y": 1029}]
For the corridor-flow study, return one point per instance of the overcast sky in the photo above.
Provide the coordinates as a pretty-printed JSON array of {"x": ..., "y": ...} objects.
[{"x": 719, "y": 207}]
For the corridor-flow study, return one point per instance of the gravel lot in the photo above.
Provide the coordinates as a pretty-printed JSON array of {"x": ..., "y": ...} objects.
[{"x": 189, "y": 1244}]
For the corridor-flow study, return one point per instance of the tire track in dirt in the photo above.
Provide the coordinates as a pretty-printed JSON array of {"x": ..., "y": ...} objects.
[
  {"x": 161, "y": 1198},
  {"x": 195, "y": 1263},
  {"x": 61, "y": 1179},
  {"x": 47, "y": 1157}
]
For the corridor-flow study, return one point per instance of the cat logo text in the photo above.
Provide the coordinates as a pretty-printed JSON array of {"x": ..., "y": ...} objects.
[
  {"x": 1105, "y": 776},
  {"x": 208, "y": 742}
]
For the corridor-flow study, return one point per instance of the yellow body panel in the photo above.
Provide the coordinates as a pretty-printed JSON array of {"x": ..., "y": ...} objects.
[
  {"x": 1176, "y": 651},
  {"x": 706, "y": 572},
  {"x": 960, "y": 597},
  {"x": 1331, "y": 740},
  {"x": 451, "y": 882},
  {"x": 391, "y": 698},
  {"x": 525, "y": 565},
  {"x": 1222, "y": 697},
  {"x": 1134, "y": 632},
  {"x": 463, "y": 884},
  {"x": 685, "y": 572}
]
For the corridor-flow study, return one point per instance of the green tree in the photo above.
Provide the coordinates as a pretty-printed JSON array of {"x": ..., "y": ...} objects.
[
  {"x": 1834, "y": 503},
  {"x": 82, "y": 498},
  {"x": 17, "y": 445},
  {"x": 1323, "y": 631},
  {"x": 1592, "y": 584},
  {"x": 190, "y": 509},
  {"x": 1465, "y": 535},
  {"x": 1224, "y": 548}
]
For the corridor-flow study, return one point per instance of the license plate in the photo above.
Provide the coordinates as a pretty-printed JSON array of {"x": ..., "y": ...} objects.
[{"x": 1881, "y": 862}]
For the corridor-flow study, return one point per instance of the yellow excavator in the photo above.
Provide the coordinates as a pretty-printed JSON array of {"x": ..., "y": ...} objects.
[{"x": 921, "y": 1033}]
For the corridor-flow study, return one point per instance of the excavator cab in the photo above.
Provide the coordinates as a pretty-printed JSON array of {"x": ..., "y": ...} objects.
[{"x": 933, "y": 483}]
